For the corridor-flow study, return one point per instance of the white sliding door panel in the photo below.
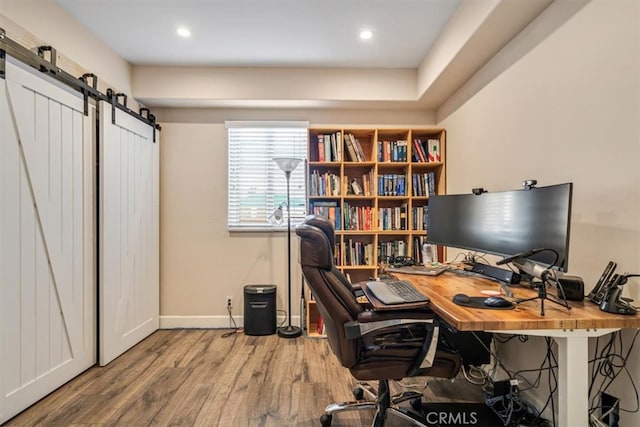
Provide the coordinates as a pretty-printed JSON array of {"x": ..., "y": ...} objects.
[
  {"x": 47, "y": 277},
  {"x": 129, "y": 233}
]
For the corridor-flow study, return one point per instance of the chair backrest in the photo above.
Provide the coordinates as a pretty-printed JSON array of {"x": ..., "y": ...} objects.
[
  {"x": 326, "y": 226},
  {"x": 335, "y": 301}
]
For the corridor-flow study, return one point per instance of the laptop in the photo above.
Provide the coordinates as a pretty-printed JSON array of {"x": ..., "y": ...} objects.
[{"x": 429, "y": 270}]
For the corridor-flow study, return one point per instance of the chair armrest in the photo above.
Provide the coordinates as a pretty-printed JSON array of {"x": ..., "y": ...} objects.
[
  {"x": 371, "y": 321},
  {"x": 375, "y": 316}
]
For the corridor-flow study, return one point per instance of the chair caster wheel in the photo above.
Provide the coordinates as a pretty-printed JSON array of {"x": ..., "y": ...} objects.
[
  {"x": 358, "y": 393},
  {"x": 416, "y": 404},
  {"x": 325, "y": 420}
]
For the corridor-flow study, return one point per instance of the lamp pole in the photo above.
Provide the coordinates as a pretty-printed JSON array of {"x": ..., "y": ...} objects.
[{"x": 288, "y": 165}]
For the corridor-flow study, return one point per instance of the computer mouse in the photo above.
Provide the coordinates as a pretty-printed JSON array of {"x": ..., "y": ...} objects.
[
  {"x": 461, "y": 298},
  {"x": 497, "y": 302}
]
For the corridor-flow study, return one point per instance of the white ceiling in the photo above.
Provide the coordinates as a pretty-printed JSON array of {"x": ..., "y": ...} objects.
[
  {"x": 297, "y": 53},
  {"x": 282, "y": 33}
]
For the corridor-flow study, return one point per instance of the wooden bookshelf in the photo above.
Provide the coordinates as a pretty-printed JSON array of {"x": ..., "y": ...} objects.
[{"x": 374, "y": 184}]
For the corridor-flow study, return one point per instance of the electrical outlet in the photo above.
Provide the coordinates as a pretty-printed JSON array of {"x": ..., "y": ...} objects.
[{"x": 229, "y": 301}]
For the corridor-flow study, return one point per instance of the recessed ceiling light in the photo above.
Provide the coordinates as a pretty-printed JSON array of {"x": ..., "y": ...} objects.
[
  {"x": 183, "y": 32},
  {"x": 366, "y": 34}
]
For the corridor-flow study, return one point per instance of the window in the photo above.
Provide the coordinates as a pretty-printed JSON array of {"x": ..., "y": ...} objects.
[{"x": 257, "y": 186}]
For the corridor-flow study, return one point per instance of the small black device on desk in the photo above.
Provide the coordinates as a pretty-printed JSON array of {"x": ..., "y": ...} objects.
[{"x": 607, "y": 292}]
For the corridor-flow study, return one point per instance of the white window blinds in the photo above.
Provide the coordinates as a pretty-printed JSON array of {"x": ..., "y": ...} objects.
[{"x": 257, "y": 186}]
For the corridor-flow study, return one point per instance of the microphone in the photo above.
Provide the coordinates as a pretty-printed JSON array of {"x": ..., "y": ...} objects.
[
  {"x": 534, "y": 269},
  {"x": 526, "y": 254}
]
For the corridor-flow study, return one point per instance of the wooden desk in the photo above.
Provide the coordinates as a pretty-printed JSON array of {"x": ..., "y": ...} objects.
[{"x": 570, "y": 330}]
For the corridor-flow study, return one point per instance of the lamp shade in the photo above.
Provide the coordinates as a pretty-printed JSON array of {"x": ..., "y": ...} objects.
[{"x": 287, "y": 164}]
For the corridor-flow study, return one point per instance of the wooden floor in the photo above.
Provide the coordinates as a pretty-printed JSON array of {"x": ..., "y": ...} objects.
[{"x": 197, "y": 377}]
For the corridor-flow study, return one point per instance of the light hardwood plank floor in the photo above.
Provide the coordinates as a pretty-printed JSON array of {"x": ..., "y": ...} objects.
[{"x": 196, "y": 377}]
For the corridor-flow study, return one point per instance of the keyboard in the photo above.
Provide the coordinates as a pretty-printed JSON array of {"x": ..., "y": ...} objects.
[{"x": 397, "y": 292}]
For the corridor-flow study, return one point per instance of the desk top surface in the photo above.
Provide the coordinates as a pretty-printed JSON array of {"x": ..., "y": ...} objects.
[{"x": 441, "y": 289}]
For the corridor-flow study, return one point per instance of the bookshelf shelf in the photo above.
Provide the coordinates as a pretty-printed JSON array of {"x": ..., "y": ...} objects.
[{"x": 374, "y": 184}]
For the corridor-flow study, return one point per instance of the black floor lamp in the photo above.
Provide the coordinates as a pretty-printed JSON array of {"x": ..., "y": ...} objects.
[{"x": 288, "y": 165}]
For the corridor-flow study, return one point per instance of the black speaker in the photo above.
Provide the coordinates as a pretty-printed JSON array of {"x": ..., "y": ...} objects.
[{"x": 573, "y": 287}]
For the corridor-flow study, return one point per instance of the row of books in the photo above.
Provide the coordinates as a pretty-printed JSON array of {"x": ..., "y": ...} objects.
[
  {"x": 419, "y": 243},
  {"x": 427, "y": 150},
  {"x": 391, "y": 249},
  {"x": 330, "y": 210},
  {"x": 330, "y": 147},
  {"x": 358, "y": 253},
  {"x": 324, "y": 184},
  {"x": 419, "y": 215},
  {"x": 361, "y": 186},
  {"x": 355, "y": 153},
  {"x": 392, "y": 184},
  {"x": 423, "y": 184},
  {"x": 389, "y": 184},
  {"x": 394, "y": 218},
  {"x": 358, "y": 217},
  {"x": 392, "y": 151}
]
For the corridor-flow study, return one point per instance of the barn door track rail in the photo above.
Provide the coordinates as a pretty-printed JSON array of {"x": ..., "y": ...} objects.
[{"x": 44, "y": 60}]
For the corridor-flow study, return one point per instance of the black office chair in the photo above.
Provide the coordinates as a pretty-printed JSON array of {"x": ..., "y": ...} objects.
[{"x": 383, "y": 345}]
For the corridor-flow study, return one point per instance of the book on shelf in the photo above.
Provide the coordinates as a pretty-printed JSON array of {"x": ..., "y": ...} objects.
[
  {"x": 356, "y": 188},
  {"x": 320, "y": 327},
  {"x": 354, "y": 148},
  {"x": 423, "y": 184},
  {"x": 329, "y": 209},
  {"x": 394, "y": 218},
  {"x": 327, "y": 148},
  {"x": 392, "y": 151},
  {"x": 324, "y": 184},
  {"x": 358, "y": 253},
  {"x": 419, "y": 217},
  {"x": 392, "y": 184},
  {"x": 367, "y": 178},
  {"x": 434, "y": 150},
  {"x": 357, "y": 217},
  {"x": 351, "y": 151},
  {"x": 420, "y": 155},
  {"x": 321, "y": 148},
  {"x": 392, "y": 249}
]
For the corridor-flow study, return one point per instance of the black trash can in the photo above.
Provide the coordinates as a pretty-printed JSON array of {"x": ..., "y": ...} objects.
[{"x": 260, "y": 309}]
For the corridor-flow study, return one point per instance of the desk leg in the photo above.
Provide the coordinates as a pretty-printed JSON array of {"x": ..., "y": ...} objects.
[
  {"x": 573, "y": 371},
  {"x": 573, "y": 380}
]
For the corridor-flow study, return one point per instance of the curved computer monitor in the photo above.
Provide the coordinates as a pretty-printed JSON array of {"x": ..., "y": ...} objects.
[{"x": 505, "y": 223}]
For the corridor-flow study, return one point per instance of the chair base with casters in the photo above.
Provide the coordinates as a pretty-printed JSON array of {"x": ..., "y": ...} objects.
[{"x": 381, "y": 402}]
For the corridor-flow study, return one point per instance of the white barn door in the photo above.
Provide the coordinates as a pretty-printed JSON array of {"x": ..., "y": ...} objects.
[
  {"x": 129, "y": 233},
  {"x": 47, "y": 277}
]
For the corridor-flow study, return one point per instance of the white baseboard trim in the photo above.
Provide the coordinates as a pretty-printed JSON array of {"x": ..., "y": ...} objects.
[{"x": 210, "y": 322}]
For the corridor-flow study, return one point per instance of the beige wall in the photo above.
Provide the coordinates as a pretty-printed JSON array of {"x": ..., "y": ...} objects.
[
  {"x": 201, "y": 262},
  {"x": 569, "y": 110}
]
